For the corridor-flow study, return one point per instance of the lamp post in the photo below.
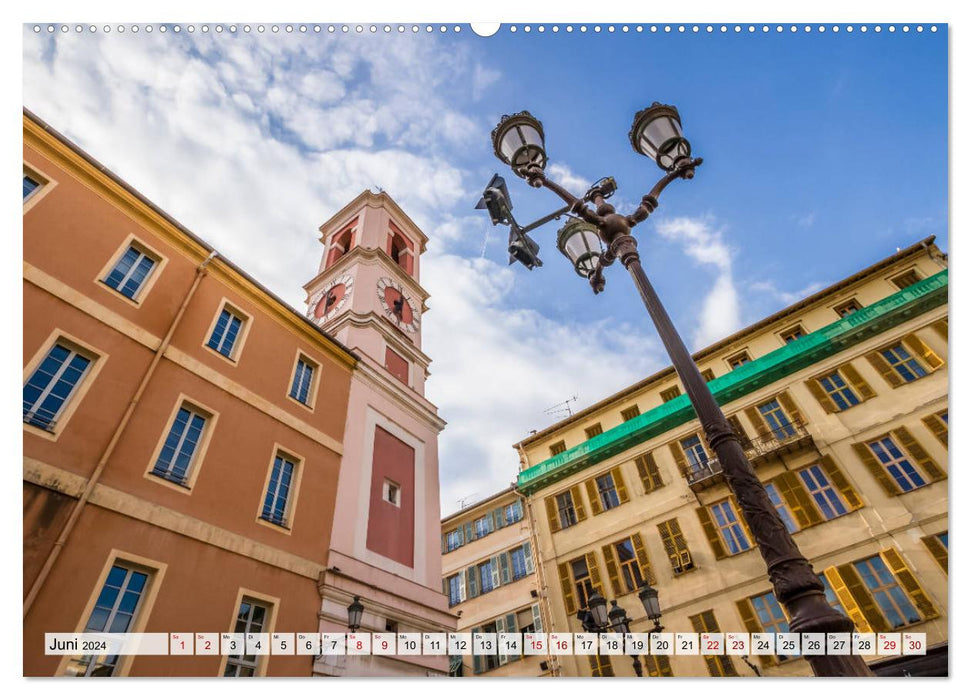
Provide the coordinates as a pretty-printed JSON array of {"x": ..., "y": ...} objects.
[
  {"x": 597, "y": 236},
  {"x": 354, "y": 612},
  {"x": 595, "y": 618}
]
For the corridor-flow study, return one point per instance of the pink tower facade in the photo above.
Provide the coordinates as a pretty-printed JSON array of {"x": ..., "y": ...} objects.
[{"x": 385, "y": 547}]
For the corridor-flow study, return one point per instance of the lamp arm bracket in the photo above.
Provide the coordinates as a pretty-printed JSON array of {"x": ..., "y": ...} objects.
[
  {"x": 546, "y": 219},
  {"x": 538, "y": 178},
  {"x": 685, "y": 170}
]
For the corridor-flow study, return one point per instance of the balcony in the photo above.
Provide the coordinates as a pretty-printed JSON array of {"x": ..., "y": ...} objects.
[{"x": 789, "y": 438}]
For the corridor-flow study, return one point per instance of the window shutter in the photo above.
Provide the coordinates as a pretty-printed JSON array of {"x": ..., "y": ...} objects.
[
  {"x": 742, "y": 520},
  {"x": 462, "y": 588},
  {"x": 909, "y": 583},
  {"x": 528, "y": 557},
  {"x": 469, "y": 532},
  {"x": 537, "y": 618},
  {"x": 659, "y": 666},
  {"x": 667, "y": 539},
  {"x": 472, "y": 575},
  {"x": 876, "y": 469},
  {"x": 490, "y": 523},
  {"x": 504, "y": 573},
  {"x": 751, "y": 621},
  {"x": 461, "y": 535},
  {"x": 681, "y": 545},
  {"x": 840, "y": 482},
  {"x": 789, "y": 406},
  {"x": 937, "y": 426},
  {"x": 500, "y": 623},
  {"x": 679, "y": 458},
  {"x": 937, "y": 549},
  {"x": 918, "y": 453},
  {"x": 941, "y": 327},
  {"x": 594, "y": 496},
  {"x": 798, "y": 499},
  {"x": 864, "y": 600},
  {"x": 863, "y": 390},
  {"x": 476, "y": 659},
  {"x": 566, "y": 584},
  {"x": 919, "y": 348},
  {"x": 619, "y": 484},
  {"x": 551, "y": 514},
  {"x": 743, "y": 438},
  {"x": 846, "y": 599},
  {"x": 755, "y": 418},
  {"x": 443, "y": 544},
  {"x": 816, "y": 389},
  {"x": 884, "y": 368},
  {"x": 578, "y": 503},
  {"x": 648, "y": 471},
  {"x": 512, "y": 627},
  {"x": 612, "y": 573},
  {"x": 711, "y": 532},
  {"x": 445, "y": 586},
  {"x": 498, "y": 518},
  {"x": 494, "y": 561},
  {"x": 594, "y": 572},
  {"x": 642, "y": 559}
]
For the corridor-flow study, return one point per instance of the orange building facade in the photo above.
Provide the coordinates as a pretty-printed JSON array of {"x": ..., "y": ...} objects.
[{"x": 183, "y": 435}]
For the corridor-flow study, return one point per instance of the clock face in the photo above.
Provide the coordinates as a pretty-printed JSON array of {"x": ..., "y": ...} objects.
[
  {"x": 398, "y": 308},
  {"x": 327, "y": 303}
]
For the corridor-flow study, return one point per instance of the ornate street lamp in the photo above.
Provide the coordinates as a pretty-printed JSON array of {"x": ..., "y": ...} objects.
[
  {"x": 652, "y": 607},
  {"x": 354, "y": 612},
  {"x": 598, "y": 611},
  {"x": 656, "y": 133}
]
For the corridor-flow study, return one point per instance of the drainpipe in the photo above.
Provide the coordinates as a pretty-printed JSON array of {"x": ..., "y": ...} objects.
[{"x": 109, "y": 450}]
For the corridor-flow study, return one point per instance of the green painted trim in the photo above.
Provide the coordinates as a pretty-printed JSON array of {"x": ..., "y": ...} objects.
[{"x": 872, "y": 320}]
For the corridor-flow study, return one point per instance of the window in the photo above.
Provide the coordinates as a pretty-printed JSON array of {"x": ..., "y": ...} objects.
[
  {"x": 114, "y": 611},
  {"x": 736, "y": 361},
  {"x": 456, "y": 589},
  {"x": 695, "y": 452},
  {"x": 906, "y": 361},
  {"x": 707, "y": 375},
  {"x": 486, "y": 577},
  {"x": 937, "y": 544},
  {"x": 600, "y": 666},
  {"x": 483, "y": 663},
  {"x": 518, "y": 559},
  {"x": 830, "y": 594},
  {"x": 717, "y": 665},
  {"x": 630, "y": 572},
  {"x": 30, "y": 186},
  {"x": 303, "y": 380},
  {"x": 391, "y": 492},
  {"x": 453, "y": 540},
  {"x": 906, "y": 279},
  {"x": 729, "y": 527},
  {"x": 582, "y": 581},
  {"x": 648, "y": 470},
  {"x": 566, "y": 510},
  {"x": 557, "y": 447},
  {"x": 777, "y": 420},
  {"x": 790, "y": 334},
  {"x": 52, "y": 384},
  {"x": 903, "y": 363},
  {"x": 251, "y": 619},
  {"x": 937, "y": 424},
  {"x": 594, "y": 430},
  {"x": 630, "y": 413},
  {"x": 897, "y": 464},
  {"x": 827, "y": 499},
  {"x": 277, "y": 499},
  {"x": 513, "y": 512},
  {"x": 896, "y": 607},
  {"x": 780, "y": 507},
  {"x": 670, "y": 393},
  {"x": 482, "y": 526},
  {"x": 847, "y": 307},
  {"x": 839, "y": 393},
  {"x": 225, "y": 333},
  {"x": 762, "y": 613},
  {"x": 607, "y": 492},
  {"x": 130, "y": 272},
  {"x": 179, "y": 449},
  {"x": 675, "y": 546},
  {"x": 658, "y": 666}
]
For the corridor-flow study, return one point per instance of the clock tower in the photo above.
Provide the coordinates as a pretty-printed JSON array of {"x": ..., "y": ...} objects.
[{"x": 385, "y": 544}]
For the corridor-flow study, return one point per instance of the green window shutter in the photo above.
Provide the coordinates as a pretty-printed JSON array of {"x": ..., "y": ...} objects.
[
  {"x": 443, "y": 544},
  {"x": 909, "y": 583},
  {"x": 816, "y": 389},
  {"x": 490, "y": 523},
  {"x": 469, "y": 532},
  {"x": 919, "y": 454},
  {"x": 612, "y": 573},
  {"x": 711, "y": 532},
  {"x": 920, "y": 349},
  {"x": 860, "y": 386},
  {"x": 551, "y": 514},
  {"x": 840, "y": 482},
  {"x": 861, "y": 594},
  {"x": 528, "y": 556},
  {"x": 500, "y": 623},
  {"x": 512, "y": 626},
  {"x": 504, "y": 573},
  {"x": 886, "y": 371},
  {"x": 537, "y": 618},
  {"x": 476, "y": 659},
  {"x": 494, "y": 562},
  {"x": 498, "y": 518},
  {"x": 566, "y": 584},
  {"x": 471, "y": 575},
  {"x": 594, "y": 496},
  {"x": 876, "y": 469},
  {"x": 445, "y": 586},
  {"x": 619, "y": 484}
]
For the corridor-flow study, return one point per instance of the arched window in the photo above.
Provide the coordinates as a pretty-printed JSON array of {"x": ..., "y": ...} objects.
[
  {"x": 339, "y": 245},
  {"x": 400, "y": 252}
]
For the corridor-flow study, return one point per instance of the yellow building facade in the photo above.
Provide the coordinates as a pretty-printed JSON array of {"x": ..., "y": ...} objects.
[{"x": 841, "y": 403}]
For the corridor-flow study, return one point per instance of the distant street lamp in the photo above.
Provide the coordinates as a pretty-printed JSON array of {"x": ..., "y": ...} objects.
[
  {"x": 354, "y": 612},
  {"x": 593, "y": 239}
]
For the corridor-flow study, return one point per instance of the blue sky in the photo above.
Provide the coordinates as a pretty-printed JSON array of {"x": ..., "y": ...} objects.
[{"x": 823, "y": 153}]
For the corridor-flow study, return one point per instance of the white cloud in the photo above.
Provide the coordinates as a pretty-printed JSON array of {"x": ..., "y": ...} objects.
[
  {"x": 720, "y": 313},
  {"x": 807, "y": 220},
  {"x": 770, "y": 289},
  {"x": 576, "y": 184}
]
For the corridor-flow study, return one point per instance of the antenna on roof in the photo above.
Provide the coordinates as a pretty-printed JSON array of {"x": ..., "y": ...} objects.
[
  {"x": 465, "y": 500},
  {"x": 558, "y": 410}
]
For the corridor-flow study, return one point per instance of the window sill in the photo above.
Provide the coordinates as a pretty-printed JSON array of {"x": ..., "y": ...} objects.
[{"x": 135, "y": 301}]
